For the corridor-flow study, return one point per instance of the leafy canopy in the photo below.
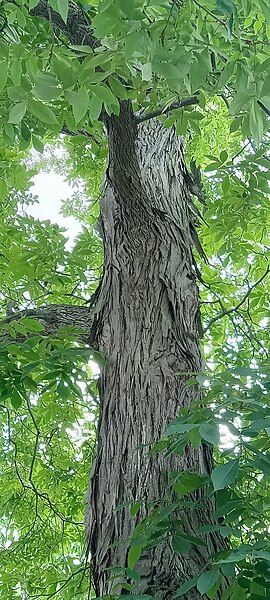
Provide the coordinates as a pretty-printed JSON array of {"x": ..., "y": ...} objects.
[{"x": 204, "y": 67}]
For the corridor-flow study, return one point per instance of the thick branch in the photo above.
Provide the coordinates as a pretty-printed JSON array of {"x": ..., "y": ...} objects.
[
  {"x": 54, "y": 316},
  {"x": 78, "y": 26},
  {"x": 164, "y": 111},
  {"x": 236, "y": 308}
]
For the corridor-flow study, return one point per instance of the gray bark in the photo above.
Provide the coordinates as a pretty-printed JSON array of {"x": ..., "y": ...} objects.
[
  {"x": 77, "y": 28},
  {"x": 147, "y": 326},
  {"x": 54, "y": 316},
  {"x": 146, "y": 321}
]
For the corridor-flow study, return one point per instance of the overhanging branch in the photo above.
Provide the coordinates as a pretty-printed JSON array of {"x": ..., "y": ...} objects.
[
  {"x": 54, "y": 316},
  {"x": 236, "y": 308},
  {"x": 164, "y": 111}
]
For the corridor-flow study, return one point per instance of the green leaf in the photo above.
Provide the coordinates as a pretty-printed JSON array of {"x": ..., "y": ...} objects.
[
  {"x": 17, "y": 113},
  {"x": 185, "y": 587},
  {"x": 256, "y": 122},
  {"x": 265, "y": 9},
  {"x": 239, "y": 101},
  {"x": 64, "y": 71},
  {"x": 33, "y": 3},
  {"x": 194, "y": 438},
  {"x": 4, "y": 73},
  {"x": 207, "y": 580},
  {"x": 134, "y": 555},
  {"x": 238, "y": 555},
  {"x": 83, "y": 49},
  {"x": 79, "y": 102},
  {"x": 177, "y": 426},
  {"x": 46, "y": 87},
  {"x": 262, "y": 554},
  {"x": 60, "y": 6},
  {"x": 117, "y": 88},
  {"x": 127, "y": 7},
  {"x": 227, "y": 73},
  {"x": 226, "y": 7},
  {"x": 180, "y": 545},
  {"x": 63, "y": 390},
  {"x": 16, "y": 399},
  {"x": 131, "y": 574},
  {"x": 226, "y": 184},
  {"x": 26, "y": 133},
  {"x": 224, "y": 475},
  {"x": 95, "y": 106},
  {"x": 37, "y": 143},
  {"x": 134, "y": 509},
  {"x": 210, "y": 433},
  {"x": 16, "y": 94},
  {"x": 188, "y": 482},
  {"x": 223, "y": 156},
  {"x": 199, "y": 69},
  {"x": 32, "y": 324},
  {"x": 9, "y": 130},
  {"x": 167, "y": 70},
  {"x": 16, "y": 71},
  {"x": 147, "y": 71},
  {"x": 43, "y": 112},
  {"x": 105, "y": 94},
  {"x": 63, "y": 9}
]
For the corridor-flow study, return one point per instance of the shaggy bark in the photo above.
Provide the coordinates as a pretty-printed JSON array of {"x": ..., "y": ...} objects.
[
  {"x": 54, "y": 316},
  {"x": 147, "y": 326},
  {"x": 77, "y": 28}
]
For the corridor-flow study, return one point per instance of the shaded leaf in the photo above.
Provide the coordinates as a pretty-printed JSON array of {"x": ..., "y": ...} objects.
[{"x": 225, "y": 474}]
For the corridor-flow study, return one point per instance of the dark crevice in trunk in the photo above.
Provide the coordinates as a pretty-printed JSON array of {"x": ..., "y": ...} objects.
[{"x": 147, "y": 325}]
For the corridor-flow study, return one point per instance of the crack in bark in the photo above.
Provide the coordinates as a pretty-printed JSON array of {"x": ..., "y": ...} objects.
[
  {"x": 145, "y": 322},
  {"x": 147, "y": 327}
]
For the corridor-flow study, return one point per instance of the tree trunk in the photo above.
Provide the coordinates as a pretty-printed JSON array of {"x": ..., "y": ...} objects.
[{"x": 147, "y": 326}]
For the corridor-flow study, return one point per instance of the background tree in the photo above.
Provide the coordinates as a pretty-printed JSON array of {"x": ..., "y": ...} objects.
[{"x": 135, "y": 80}]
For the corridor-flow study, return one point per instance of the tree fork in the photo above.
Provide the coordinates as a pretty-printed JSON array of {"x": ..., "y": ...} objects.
[{"x": 147, "y": 326}]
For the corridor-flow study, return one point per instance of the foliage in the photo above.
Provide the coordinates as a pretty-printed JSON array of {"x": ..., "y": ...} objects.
[
  {"x": 52, "y": 92},
  {"x": 47, "y": 388}
]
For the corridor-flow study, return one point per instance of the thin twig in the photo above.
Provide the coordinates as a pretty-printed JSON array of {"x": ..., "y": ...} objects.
[
  {"x": 263, "y": 107},
  {"x": 66, "y": 131},
  {"x": 235, "y": 308},
  {"x": 66, "y": 581},
  {"x": 240, "y": 152},
  {"x": 209, "y": 12}
]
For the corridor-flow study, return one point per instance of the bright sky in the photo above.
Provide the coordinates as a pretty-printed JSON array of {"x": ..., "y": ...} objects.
[{"x": 51, "y": 189}]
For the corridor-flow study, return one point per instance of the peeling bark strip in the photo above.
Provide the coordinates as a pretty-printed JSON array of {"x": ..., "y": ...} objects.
[{"x": 147, "y": 326}]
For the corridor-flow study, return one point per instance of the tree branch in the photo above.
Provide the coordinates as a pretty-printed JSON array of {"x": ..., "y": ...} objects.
[
  {"x": 77, "y": 28},
  {"x": 54, "y": 316},
  {"x": 236, "y": 308},
  {"x": 263, "y": 107},
  {"x": 165, "y": 111},
  {"x": 66, "y": 131}
]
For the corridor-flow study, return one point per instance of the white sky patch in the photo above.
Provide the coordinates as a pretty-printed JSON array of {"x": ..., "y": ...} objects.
[
  {"x": 264, "y": 322},
  {"x": 51, "y": 189}
]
